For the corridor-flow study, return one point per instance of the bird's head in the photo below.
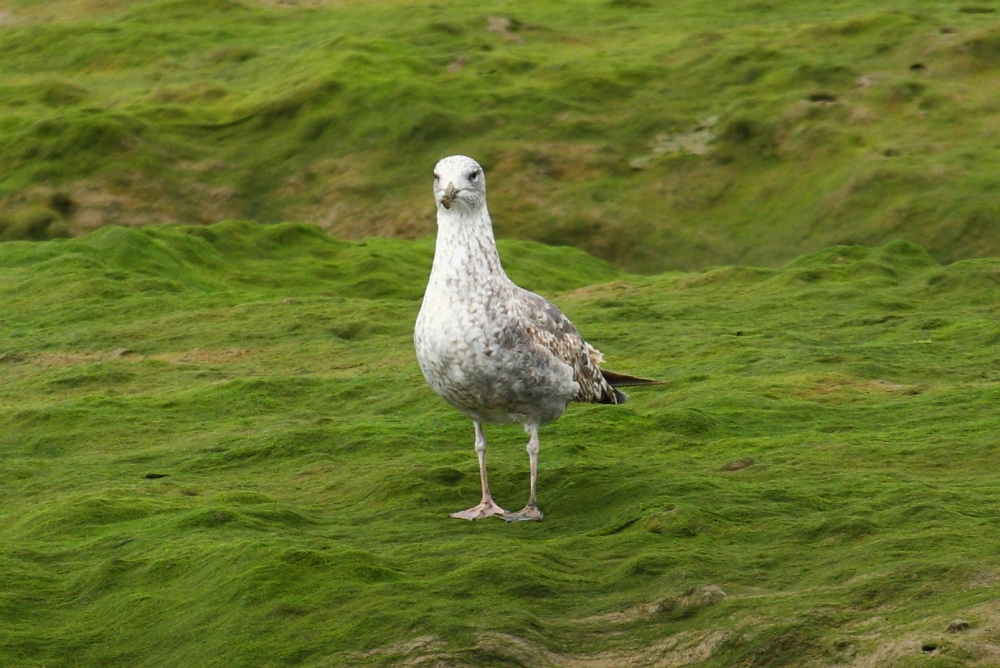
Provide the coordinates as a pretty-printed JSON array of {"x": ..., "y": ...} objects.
[{"x": 459, "y": 183}]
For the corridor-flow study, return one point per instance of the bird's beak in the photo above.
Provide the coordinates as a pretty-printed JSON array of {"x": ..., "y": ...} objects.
[{"x": 450, "y": 193}]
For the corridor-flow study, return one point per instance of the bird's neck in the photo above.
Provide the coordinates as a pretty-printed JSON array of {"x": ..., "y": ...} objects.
[{"x": 465, "y": 250}]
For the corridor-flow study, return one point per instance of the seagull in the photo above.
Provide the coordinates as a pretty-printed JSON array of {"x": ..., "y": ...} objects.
[{"x": 495, "y": 351}]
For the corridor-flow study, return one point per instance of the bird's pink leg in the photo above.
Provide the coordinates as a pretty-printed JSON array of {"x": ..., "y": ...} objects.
[
  {"x": 488, "y": 507},
  {"x": 530, "y": 511}
]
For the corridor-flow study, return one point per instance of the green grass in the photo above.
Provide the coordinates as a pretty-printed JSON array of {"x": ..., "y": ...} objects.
[
  {"x": 824, "y": 451},
  {"x": 825, "y": 123}
]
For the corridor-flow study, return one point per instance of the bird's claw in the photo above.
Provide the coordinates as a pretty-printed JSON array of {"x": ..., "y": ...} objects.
[
  {"x": 530, "y": 513},
  {"x": 488, "y": 508}
]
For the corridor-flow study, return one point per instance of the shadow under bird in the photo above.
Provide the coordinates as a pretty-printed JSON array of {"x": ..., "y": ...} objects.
[{"x": 493, "y": 350}]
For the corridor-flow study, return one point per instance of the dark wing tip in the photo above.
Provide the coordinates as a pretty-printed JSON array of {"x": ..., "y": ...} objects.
[
  {"x": 617, "y": 379},
  {"x": 611, "y": 396}
]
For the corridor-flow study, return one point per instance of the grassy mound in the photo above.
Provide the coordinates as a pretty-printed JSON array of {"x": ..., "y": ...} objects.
[
  {"x": 655, "y": 135},
  {"x": 216, "y": 448}
]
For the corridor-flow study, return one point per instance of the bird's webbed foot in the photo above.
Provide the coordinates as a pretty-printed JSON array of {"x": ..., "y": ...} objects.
[
  {"x": 530, "y": 513},
  {"x": 488, "y": 508}
]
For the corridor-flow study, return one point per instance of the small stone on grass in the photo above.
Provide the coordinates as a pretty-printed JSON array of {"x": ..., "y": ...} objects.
[
  {"x": 738, "y": 464},
  {"x": 958, "y": 625}
]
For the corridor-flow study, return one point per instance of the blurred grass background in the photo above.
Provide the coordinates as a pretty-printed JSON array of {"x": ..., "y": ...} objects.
[{"x": 654, "y": 135}]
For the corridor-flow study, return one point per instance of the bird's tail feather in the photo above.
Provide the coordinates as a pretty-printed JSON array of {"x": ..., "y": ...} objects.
[{"x": 620, "y": 379}]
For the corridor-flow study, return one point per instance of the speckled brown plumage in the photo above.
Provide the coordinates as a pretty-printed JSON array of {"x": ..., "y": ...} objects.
[{"x": 553, "y": 331}]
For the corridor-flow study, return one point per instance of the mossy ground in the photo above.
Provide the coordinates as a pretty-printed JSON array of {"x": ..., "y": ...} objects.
[
  {"x": 216, "y": 449},
  {"x": 658, "y": 135}
]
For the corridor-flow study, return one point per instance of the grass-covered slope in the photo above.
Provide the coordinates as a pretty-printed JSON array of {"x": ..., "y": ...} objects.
[
  {"x": 216, "y": 449},
  {"x": 654, "y": 134}
]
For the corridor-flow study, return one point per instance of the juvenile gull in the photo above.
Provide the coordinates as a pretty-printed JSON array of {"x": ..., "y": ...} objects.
[{"x": 493, "y": 350}]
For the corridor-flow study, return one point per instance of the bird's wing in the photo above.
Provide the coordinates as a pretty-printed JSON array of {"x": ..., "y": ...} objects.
[{"x": 553, "y": 331}]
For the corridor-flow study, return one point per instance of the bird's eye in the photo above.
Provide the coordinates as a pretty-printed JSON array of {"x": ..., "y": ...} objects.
[
  {"x": 436, "y": 177},
  {"x": 473, "y": 176}
]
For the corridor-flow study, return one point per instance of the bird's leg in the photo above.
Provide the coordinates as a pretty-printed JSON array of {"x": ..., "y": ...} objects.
[
  {"x": 488, "y": 507},
  {"x": 530, "y": 511}
]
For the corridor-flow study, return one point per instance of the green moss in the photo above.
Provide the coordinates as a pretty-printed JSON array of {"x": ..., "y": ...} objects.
[
  {"x": 840, "y": 125},
  {"x": 215, "y": 445}
]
